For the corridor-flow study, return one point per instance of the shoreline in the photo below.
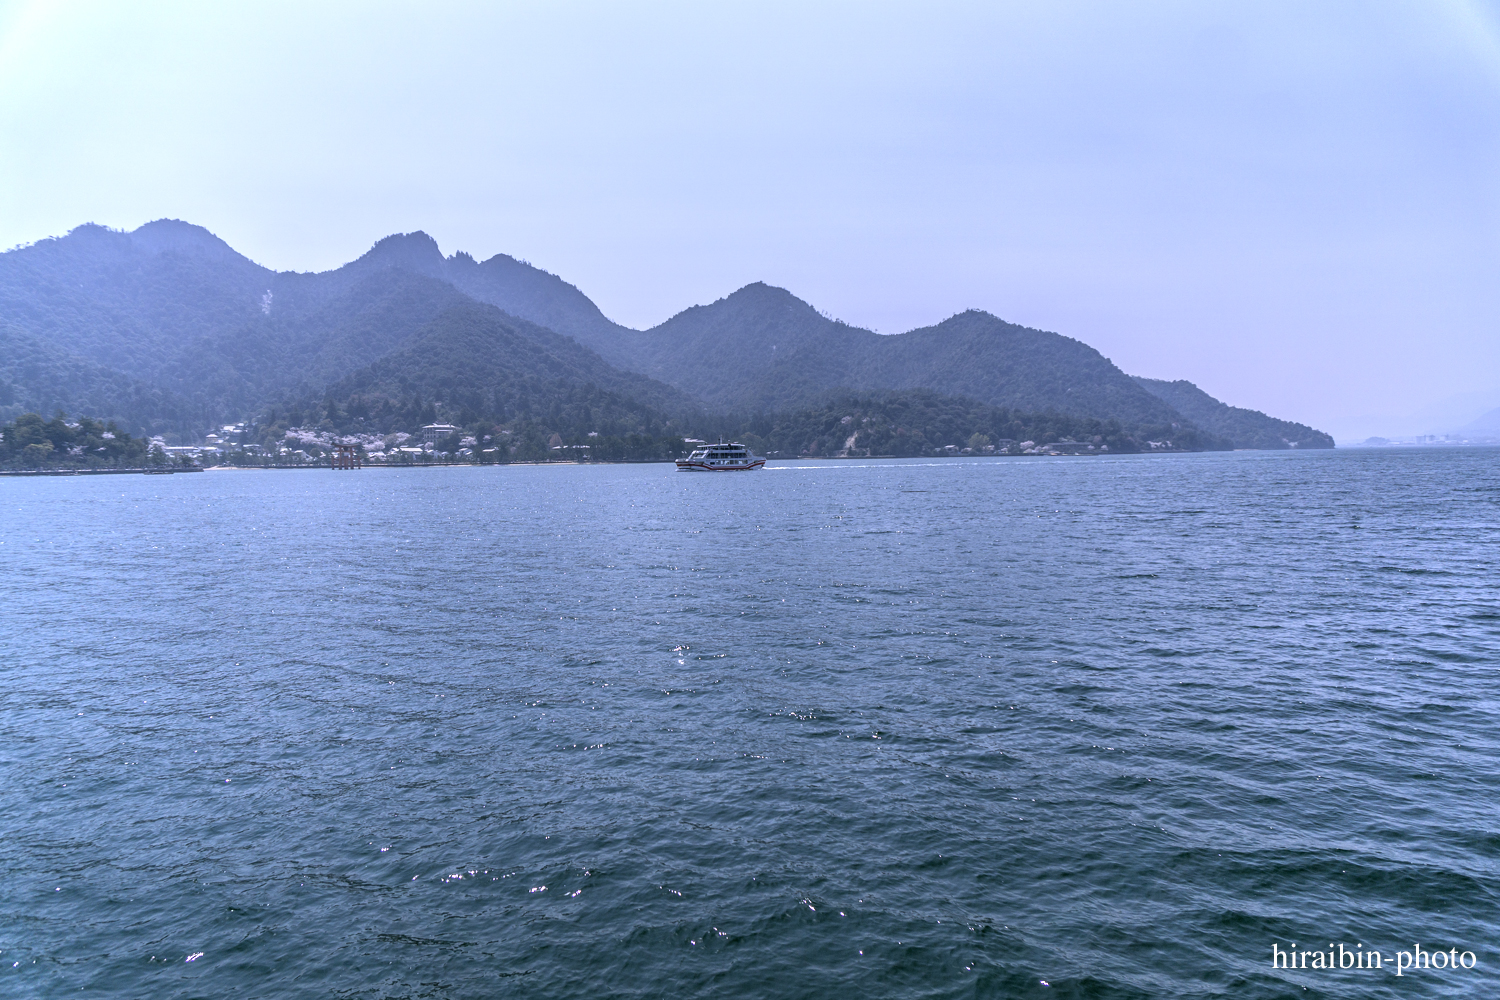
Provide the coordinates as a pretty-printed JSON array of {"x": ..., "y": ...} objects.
[
  {"x": 97, "y": 472},
  {"x": 664, "y": 461}
]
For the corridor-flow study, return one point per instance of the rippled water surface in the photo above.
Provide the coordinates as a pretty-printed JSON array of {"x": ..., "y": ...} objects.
[{"x": 1103, "y": 727}]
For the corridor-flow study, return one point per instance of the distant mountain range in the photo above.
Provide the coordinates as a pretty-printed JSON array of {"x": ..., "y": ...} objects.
[
  {"x": 1487, "y": 424},
  {"x": 168, "y": 329}
]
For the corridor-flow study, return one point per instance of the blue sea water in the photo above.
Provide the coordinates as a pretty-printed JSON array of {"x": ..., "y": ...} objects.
[{"x": 1098, "y": 727}]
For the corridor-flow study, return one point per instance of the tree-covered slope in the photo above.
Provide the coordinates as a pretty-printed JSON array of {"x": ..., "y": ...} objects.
[
  {"x": 41, "y": 378},
  {"x": 546, "y": 300},
  {"x": 763, "y": 348},
  {"x": 977, "y": 355},
  {"x": 513, "y": 286},
  {"x": 168, "y": 327},
  {"x": 128, "y": 300},
  {"x": 922, "y": 422},
  {"x": 33, "y": 443},
  {"x": 1246, "y": 428},
  {"x": 276, "y": 355},
  {"x": 472, "y": 361}
]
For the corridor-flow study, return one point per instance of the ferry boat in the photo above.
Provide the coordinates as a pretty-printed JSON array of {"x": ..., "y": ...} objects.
[{"x": 720, "y": 457}]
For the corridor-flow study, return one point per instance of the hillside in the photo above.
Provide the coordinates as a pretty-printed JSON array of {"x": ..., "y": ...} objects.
[
  {"x": 974, "y": 354},
  {"x": 41, "y": 378},
  {"x": 758, "y": 349},
  {"x": 490, "y": 374},
  {"x": 922, "y": 422},
  {"x": 1486, "y": 425},
  {"x": 472, "y": 361},
  {"x": 513, "y": 286},
  {"x": 763, "y": 348},
  {"x": 167, "y": 328},
  {"x": 1249, "y": 429},
  {"x": 128, "y": 301}
]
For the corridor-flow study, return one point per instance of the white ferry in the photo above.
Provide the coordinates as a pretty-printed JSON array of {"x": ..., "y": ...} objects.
[{"x": 720, "y": 458}]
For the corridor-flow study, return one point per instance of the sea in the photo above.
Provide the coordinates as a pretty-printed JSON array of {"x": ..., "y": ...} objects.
[{"x": 1096, "y": 727}]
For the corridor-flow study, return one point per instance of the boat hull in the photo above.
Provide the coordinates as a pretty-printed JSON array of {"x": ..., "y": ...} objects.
[{"x": 684, "y": 465}]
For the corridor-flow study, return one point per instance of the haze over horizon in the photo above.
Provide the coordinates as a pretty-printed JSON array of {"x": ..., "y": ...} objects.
[{"x": 1293, "y": 206}]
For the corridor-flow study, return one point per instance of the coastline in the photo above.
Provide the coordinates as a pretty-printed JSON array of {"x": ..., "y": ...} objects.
[
  {"x": 481, "y": 465},
  {"x": 97, "y": 472}
]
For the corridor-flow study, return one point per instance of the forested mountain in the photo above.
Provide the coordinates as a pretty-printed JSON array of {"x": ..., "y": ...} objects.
[
  {"x": 1245, "y": 428},
  {"x": 974, "y": 354},
  {"x": 130, "y": 301},
  {"x": 168, "y": 329},
  {"x": 763, "y": 348},
  {"x": 473, "y": 361},
  {"x": 513, "y": 286},
  {"x": 923, "y": 422},
  {"x": 758, "y": 349},
  {"x": 40, "y": 378}
]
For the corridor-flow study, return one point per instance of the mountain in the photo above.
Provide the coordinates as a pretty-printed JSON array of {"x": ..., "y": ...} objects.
[
  {"x": 168, "y": 328},
  {"x": 1246, "y": 428},
  {"x": 974, "y": 354},
  {"x": 129, "y": 300},
  {"x": 504, "y": 381},
  {"x": 474, "y": 358},
  {"x": 1486, "y": 425},
  {"x": 758, "y": 349},
  {"x": 763, "y": 349},
  {"x": 913, "y": 422},
  {"x": 514, "y": 286},
  {"x": 543, "y": 299},
  {"x": 36, "y": 377}
]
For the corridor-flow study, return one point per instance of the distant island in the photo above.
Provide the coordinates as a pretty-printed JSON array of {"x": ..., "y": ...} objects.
[{"x": 167, "y": 338}]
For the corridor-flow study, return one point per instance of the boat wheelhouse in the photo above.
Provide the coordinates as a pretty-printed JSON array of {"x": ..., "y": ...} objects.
[{"x": 720, "y": 457}]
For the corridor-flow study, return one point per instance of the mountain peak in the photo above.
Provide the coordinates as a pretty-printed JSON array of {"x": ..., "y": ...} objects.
[
  {"x": 972, "y": 319},
  {"x": 756, "y": 298},
  {"x": 416, "y": 251},
  {"x": 175, "y": 236},
  {"x": 759, "y": 291}
]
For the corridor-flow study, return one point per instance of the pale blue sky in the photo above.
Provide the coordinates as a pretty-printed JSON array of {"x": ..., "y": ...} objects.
[{"x": 1295, "y": 205}]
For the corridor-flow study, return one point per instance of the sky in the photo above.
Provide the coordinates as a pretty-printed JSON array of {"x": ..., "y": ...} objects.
[{"x": 1294, "y": 205}]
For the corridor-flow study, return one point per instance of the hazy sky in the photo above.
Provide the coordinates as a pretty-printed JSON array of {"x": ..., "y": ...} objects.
[{"x": 1297, "y": 205}]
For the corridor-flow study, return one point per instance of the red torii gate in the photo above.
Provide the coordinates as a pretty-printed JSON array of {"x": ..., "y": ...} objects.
[{"x": 344, "y": 456}]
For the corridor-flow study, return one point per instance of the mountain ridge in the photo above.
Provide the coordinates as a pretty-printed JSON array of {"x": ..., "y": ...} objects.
[
  {"x": 1247, "y": 429},
  {"x": 200, "y": 333}
]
